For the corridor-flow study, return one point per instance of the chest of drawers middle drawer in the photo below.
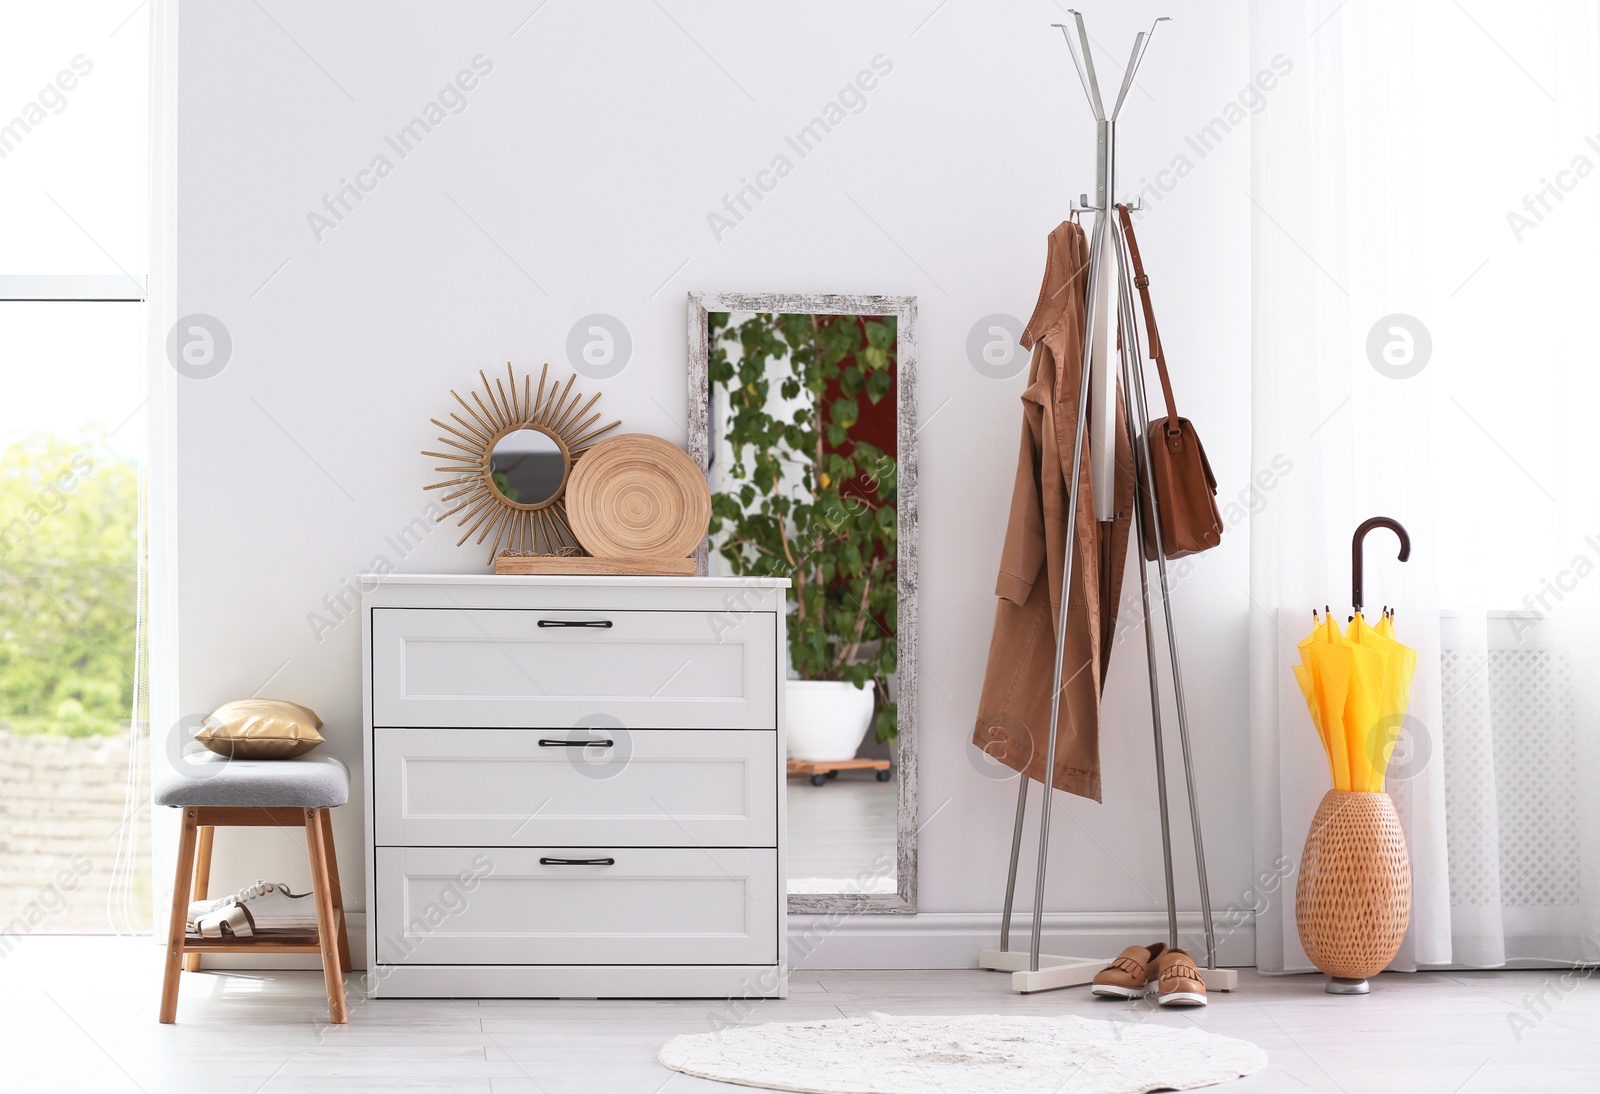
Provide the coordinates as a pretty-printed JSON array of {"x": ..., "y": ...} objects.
[{"x": 531, "y": 787}]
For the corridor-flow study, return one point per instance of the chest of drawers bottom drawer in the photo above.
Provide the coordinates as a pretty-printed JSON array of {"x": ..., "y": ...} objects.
[{"x": 576, "y": 906}]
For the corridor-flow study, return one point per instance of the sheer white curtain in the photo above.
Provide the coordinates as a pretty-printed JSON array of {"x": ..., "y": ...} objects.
[{"x": 1426, "y": 193}]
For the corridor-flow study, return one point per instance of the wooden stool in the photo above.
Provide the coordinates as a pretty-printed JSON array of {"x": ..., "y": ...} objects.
[{"x": 213, "y": 793}]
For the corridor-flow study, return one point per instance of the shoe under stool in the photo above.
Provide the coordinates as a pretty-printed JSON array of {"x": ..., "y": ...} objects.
[{"x": 214, "y": 792}]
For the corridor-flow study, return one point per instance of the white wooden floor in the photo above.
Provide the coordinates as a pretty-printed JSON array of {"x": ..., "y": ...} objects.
[{"x": 79, "y": 1014}]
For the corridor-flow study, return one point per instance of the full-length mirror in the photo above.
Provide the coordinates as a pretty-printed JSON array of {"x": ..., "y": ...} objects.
[{"x": 803, "y": 414}]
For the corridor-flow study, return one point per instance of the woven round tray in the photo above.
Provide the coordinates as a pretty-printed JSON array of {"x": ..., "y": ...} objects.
[
  {"x": 638, "y": 495},
  {"x": 1353, "y": 900}
]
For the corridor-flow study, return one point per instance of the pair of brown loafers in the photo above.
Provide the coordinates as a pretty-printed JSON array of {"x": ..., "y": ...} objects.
[{"x": 1140, "y": 970}]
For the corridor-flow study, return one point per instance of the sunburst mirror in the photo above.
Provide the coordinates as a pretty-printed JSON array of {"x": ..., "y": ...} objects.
[{"x": 510, "y": 459}]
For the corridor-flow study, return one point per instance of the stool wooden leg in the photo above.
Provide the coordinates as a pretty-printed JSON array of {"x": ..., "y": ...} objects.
[
  {"x": 177, "y": 926},
  {"x": 334, "y": 888},
  {"x": 202, "y": 884},
  {"x": 327, "y": 932}
]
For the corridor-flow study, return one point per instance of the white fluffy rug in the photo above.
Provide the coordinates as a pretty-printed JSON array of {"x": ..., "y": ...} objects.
[{"x": 973, "y": 1054}]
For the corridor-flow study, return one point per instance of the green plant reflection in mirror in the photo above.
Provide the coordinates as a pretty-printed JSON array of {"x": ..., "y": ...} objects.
[{"x": 809, "y": 405}]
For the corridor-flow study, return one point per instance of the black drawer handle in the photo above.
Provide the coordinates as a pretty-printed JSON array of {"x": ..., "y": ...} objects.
[
  {"x": 602, "y": 624},
  {"x": 577, "y": 861},
  {"x": 546, "y": 742}
]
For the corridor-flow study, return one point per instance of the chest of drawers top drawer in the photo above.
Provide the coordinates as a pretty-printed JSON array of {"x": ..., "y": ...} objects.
[{"x": 532, "y": 667}]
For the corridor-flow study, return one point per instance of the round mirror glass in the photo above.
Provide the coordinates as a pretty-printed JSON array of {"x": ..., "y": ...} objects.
[{"x": 527, "y": 467}]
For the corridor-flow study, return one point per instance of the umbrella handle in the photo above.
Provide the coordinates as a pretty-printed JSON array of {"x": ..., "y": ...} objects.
[{"x": 1358, "y": 541}]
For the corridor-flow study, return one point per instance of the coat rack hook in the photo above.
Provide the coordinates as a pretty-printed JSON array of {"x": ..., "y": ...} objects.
[
  {"x": 1358, "y": 542},
  {"x": 1083, "y": 61}
]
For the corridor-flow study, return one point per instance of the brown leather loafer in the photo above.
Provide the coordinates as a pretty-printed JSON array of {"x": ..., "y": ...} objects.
[
  {"x": 1177, "y": 980},
  {"x": 1128, "y": 976}
]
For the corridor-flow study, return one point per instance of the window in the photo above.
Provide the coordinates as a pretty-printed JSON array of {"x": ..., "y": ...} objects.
[{"x": 74, "y": 105}]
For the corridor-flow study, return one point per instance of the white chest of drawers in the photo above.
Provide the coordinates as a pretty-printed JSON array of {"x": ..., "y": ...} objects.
[{"x": 575, "y": 786}]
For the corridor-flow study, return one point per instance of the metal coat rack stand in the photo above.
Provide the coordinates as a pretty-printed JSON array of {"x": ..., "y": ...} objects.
[{"x": 1032, "y": 970}]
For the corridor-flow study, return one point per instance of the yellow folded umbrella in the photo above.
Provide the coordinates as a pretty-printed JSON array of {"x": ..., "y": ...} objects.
[
  {"x": 1394, "y": 694},
  {"x": 1357, "y": 685},
  {"x": 1324, "y": 677}
]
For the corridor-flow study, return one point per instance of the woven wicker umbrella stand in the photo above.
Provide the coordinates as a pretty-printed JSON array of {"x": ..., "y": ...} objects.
[{"x": 1353, "y": 900}]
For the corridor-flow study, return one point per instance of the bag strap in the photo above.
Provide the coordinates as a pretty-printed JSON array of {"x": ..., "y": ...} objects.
[{"x": 1142, "y": 282}]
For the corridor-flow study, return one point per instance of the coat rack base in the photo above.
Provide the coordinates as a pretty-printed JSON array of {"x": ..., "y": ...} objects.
[{"x": 1056, "y": 972}]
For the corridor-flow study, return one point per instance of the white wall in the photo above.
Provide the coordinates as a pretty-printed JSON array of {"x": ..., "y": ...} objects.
[{"x": 578, "y": 179}]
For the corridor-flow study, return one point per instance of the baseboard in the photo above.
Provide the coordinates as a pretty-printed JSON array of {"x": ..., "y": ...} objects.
[
  {"x": 951, "y": 940},
  {"x": 931, "y": 940}
]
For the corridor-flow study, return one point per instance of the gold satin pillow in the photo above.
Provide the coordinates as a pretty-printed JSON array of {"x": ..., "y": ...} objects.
[{"x": 261, "y": 729}]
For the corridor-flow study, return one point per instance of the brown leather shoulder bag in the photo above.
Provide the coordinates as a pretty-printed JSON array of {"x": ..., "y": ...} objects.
[{"x": 1186, "y": 490}]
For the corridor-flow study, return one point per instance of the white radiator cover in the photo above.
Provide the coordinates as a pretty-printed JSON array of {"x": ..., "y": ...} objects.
[
  {"x": 1526, "y": 780},
  {"x": 1514, "y": 798}
]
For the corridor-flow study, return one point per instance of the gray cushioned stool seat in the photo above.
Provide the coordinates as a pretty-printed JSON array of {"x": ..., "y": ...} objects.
[{"x": 307, "y": 782}]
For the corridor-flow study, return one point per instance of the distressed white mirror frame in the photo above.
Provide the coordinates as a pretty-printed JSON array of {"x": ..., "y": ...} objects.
[{"x": 904, "y": 309}]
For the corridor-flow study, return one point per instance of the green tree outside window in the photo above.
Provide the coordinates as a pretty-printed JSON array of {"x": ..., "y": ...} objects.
[{"x": 68, "y": 565}]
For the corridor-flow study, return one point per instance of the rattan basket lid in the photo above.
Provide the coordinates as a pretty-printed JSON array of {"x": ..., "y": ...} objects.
[{"x": 638, "y": 495}]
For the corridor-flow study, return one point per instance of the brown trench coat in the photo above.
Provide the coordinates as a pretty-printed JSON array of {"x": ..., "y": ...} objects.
[{"x": 1013, "y": 723}]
